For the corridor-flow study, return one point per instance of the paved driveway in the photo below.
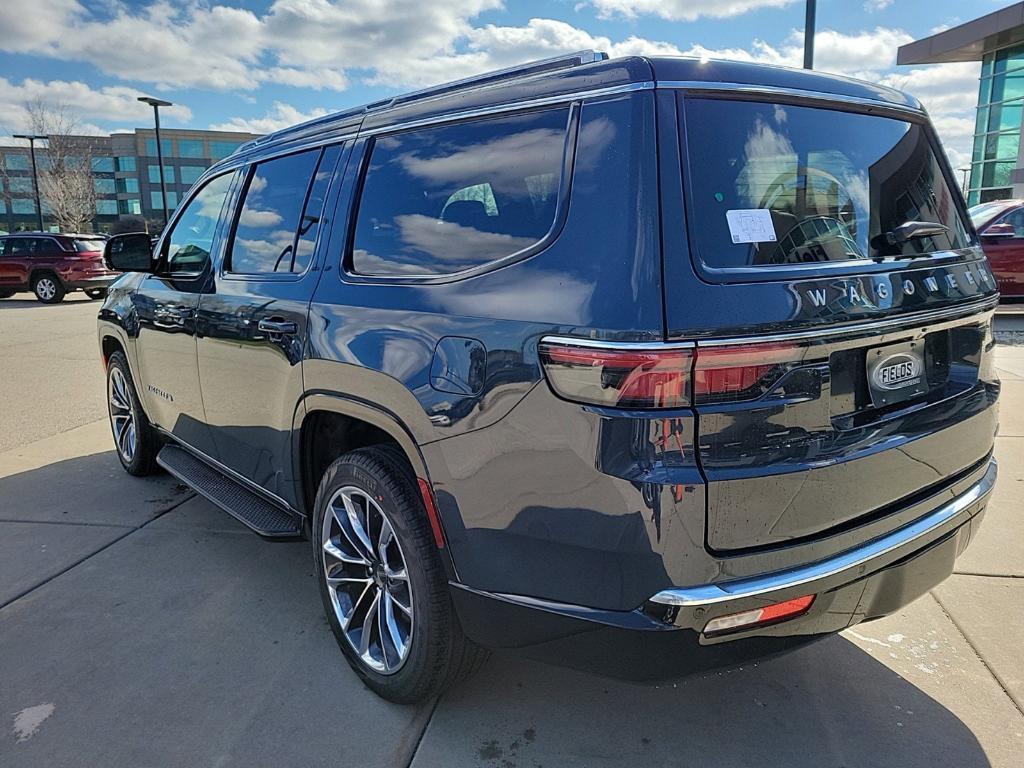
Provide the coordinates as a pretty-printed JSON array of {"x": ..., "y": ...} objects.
[{"x": 140, "y": 626}]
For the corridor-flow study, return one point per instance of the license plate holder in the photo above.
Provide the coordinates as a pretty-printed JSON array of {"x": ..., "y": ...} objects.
[{"x": 896, "y": 373}]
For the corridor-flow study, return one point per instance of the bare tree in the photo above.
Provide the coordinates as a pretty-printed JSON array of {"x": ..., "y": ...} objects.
[{"x": 65, "y": 174}]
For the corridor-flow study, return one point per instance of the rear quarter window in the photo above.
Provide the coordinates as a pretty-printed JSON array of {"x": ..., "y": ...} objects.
[
  {"x": 442, "y": 200},
  {"x": 779, "y": 184}
]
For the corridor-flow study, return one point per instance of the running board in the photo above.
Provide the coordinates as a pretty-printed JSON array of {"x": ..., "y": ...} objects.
[{"x": 252, "y": 510}]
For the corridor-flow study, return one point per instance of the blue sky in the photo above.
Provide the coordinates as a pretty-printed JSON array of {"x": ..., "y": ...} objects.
[{"x": 264, "y": 64}]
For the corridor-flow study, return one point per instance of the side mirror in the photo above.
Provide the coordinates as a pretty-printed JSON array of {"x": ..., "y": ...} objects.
[
  {"x": 999, "y": 230},
  {"x": 132, "y": 252}
]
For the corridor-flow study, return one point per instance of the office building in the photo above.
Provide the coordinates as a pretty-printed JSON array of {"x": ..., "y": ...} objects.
[{"x": 125, "y": 171}]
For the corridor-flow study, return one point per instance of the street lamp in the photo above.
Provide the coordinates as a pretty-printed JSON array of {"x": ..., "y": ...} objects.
[
  {"x": 156, "y": 104},
  {"x": 964, "y": 171},
  {"x": 32, "y": 137},
  {"x": 809, "y": 34}
]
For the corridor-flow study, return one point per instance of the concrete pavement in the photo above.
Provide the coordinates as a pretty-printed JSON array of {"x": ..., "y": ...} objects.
[{"x": 140, "y": 626}]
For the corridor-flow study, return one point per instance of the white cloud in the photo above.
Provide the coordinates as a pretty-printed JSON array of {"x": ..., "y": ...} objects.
[
  {"x": 876, "y": 5},
  {"x": 110, "y": 104},
  {"x": 281, "y": 116},
  {"x": 683, "y": 10}
]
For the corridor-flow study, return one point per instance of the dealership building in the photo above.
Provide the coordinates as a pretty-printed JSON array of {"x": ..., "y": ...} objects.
[
  {"x": 997, "y": 41},
  {"x": 125, "y": 173}
]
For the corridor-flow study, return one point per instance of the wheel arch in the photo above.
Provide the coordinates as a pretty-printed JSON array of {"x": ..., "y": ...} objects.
[
  {"x": 37, "y": 272},
  {"x": 326, "y": 426}
]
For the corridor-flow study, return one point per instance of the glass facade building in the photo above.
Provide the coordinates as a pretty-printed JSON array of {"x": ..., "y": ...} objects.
[
  {"x": 996, "y": 42},
  {"x": 998, "y": 125},
  {"x": 126, "y": 174}
]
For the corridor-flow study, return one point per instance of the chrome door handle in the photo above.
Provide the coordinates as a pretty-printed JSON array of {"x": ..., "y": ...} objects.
[{"x": 279, "y": 327}]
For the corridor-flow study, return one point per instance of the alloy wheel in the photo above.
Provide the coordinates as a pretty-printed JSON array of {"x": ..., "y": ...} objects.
[
  {"x": 122, "y": 414},
  {"x": 367, "y": 580},
  {"x": 46, "y": 289}
]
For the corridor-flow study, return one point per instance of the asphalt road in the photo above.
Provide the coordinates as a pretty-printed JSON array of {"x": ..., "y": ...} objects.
[{"x": 140, "y": 626}]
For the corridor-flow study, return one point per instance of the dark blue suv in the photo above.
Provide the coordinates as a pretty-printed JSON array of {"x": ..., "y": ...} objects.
[{"x": 645, "y": 366}]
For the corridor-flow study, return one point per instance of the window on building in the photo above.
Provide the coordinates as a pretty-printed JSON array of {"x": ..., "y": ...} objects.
[
  {"x": 157, "y": 201},
  {"x": 271, "y": 211},
  {"x": 23, "y": 206},
  {"x": 130, "y": 206},
  {"x": 191, "y": 240},
  {"x": 220, "y": 149},
  {"x": 165, "y": 147},
  {"x": 128, "y": 184},
  {"x": 441, "y": 200},
  {"x": 103, "y": 164},
  {"x": 74, "y": 161},
  {"x": 106, "y": 207},
  {"x": 20, "y": 185},
  {"x": 104, "y": 186},
  {"x": 17, "y": 162},
  {"x": 191, "y": 148},
  {"x": 154, "y": 174},
  {"x": 190, "y": 173},
  {"x": 126, "y": 163},
  {"x": 997, "y": 125}
]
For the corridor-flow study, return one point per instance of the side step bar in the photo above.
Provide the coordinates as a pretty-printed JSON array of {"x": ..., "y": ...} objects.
[{"x": 252, "y": 510}]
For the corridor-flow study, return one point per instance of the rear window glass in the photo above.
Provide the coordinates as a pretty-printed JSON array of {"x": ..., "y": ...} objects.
[
  {"x": 442, "y": 200},
  {"x": 775, "y": 184},
  {"x": 89, "y": 245}
]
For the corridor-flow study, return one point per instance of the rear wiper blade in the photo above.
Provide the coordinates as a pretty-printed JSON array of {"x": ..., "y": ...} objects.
[{"x": 908, "y": 230}]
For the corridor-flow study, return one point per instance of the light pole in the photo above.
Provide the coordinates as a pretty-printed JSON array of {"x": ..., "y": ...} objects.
[
  {"x": 32, "y": 137},
  {"x": 156, "y": 104},
  {"x": 964, "y": 171},
  {"x": 809, "y": 34}
]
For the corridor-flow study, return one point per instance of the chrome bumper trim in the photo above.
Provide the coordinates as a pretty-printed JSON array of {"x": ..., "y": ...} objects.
[{"x": 710, "y": 594}]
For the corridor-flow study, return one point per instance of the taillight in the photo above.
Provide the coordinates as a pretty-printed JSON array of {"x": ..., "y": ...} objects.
[
  {"x": 737, "y": 372},
  {"x": 663, "y": 375},
  {"x": 619, "y": 377}
]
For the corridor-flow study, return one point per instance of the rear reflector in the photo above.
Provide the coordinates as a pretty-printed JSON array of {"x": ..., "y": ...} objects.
[
  {"x": 432, "y": 516},
  {"x": 759, "y": 616}
]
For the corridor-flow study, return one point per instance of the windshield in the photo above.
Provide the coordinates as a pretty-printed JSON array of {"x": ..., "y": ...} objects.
[
  {"x": 985, "y": 211},
  {"x": 776, "y": 184},
  {"x": 82, "y": 245}
]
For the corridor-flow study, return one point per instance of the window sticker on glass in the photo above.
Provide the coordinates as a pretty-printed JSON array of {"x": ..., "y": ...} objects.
[{"x": 751, "y": 225}]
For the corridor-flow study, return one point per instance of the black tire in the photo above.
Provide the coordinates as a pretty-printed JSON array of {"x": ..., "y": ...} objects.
[
  {"x": 6, "y": 294},
  {"x": 96, "y": 293},
  {"x": 439, "y": 654},
  {"x": 142, "y": 460},
  {"x": 48, "y": 288}
]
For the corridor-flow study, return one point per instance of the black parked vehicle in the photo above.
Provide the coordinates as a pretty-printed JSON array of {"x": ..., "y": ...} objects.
[{"x": 644, "y": 366}]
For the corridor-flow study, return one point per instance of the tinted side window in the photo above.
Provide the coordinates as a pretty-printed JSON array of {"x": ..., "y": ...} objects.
[
  {"x": 1016, "y": 220},
  {"x": 272, "y": 205},
  {"x": 191, "y": 240},
  {"x": 441, "y": 200}
]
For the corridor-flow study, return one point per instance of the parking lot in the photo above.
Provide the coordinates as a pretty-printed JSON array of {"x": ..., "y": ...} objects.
[{"x": 141, "y": 626}]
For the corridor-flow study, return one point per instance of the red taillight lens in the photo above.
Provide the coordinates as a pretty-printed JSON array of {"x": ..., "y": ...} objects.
[
  {"x": 621, "y": 378},
  {"x": 729, "y": 372}
]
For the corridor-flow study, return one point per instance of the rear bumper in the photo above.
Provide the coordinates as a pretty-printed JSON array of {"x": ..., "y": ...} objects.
[{"x": 664, "y": 638}]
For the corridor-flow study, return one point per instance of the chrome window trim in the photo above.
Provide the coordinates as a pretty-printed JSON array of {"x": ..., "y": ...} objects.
[
  {"x": 749, "y": 89},
  {"x": 851, "y": 561}
]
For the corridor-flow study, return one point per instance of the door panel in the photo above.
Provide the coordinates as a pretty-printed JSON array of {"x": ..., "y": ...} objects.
[
  {"x": 252, "y": 324},
  {"x": 166, "y": 304}
]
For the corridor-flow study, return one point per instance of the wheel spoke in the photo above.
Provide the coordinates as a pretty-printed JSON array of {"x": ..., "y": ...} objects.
[
  {"x": 342, "y": 519},
  {"x": 406, "y": 609},
  {"x": 358, "y": 526},
  {"x": 368, "y": 624},
  {"x": 334, "y": 551},
  {"x": 346, "y": 620}
]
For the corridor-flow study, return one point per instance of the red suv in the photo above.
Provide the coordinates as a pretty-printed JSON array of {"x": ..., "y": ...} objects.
[
  {"x": 50, "y": 265},
  {"x": 1001, "y": 227}
]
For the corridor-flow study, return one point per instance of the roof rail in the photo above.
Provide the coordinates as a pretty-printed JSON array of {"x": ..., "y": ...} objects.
[{"x": 520, "y": 70}]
